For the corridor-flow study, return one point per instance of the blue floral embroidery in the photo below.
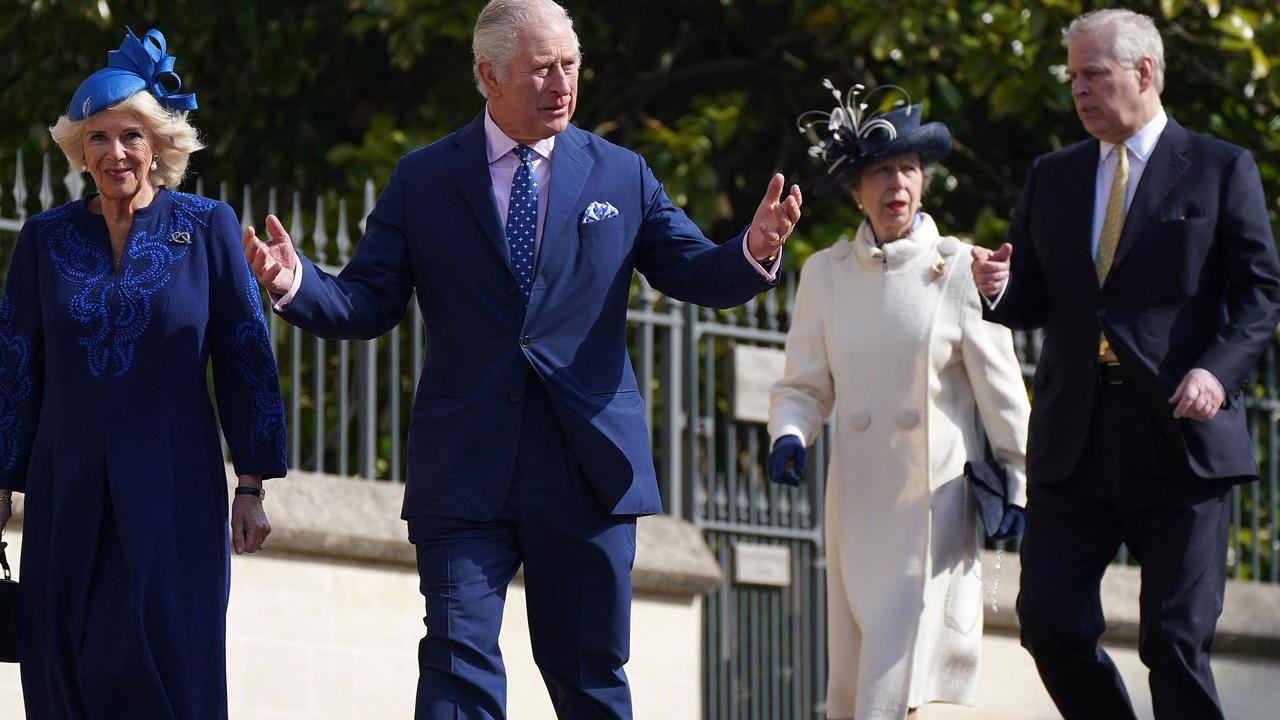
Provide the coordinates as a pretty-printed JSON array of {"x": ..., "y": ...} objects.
[
  {"x": 16, "y": 384},
  {"x": 115, "y": 308},
  {"x": 258, "y": 370}
]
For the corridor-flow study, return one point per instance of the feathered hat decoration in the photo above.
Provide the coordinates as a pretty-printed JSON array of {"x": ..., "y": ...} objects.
[{"x": 857, "y": 134}]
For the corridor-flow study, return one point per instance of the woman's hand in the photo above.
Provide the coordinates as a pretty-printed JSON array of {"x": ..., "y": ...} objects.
[
  {"x": 786, "y": 461},
  {"x": 249, "y": 526},
  {"x": 1011, "y": 525}
]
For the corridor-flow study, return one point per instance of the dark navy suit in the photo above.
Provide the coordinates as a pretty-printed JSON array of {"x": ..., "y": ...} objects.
[
  {"x": 1194, "y": 284},
  {"x": 528, "y": 442}
]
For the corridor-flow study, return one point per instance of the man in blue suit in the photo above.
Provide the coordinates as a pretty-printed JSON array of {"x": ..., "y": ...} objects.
[
  {"x": 1146, "y": 255},
  {"x": 527, "y": 446}
]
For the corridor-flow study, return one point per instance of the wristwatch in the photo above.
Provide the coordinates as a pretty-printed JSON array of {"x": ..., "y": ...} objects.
[{"x": 260, "y": 493}]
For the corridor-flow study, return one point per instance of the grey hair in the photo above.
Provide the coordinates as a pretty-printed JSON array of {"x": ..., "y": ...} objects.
[
  {"x": 496, "y": 35},
  {"x": 173, "y": 138},
  {"x": 1133, "y": 37}
]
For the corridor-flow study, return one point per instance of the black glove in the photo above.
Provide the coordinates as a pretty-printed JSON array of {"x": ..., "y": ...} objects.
[{"x": 786, "y": 461}]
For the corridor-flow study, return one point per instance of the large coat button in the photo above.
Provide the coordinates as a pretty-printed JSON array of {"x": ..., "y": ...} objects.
[
  {"x": 948, "y": 246},
  {"x": 908, "y": 418},
  {"x": 860, "y": 419}
]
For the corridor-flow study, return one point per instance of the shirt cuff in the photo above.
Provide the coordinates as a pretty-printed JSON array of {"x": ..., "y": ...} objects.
[
  {"x": 770, "y": 273},
  {"x": 991, "y": 304},
  {"x": 282, "y": 302},
  {"x": 1222, "y": 389}
]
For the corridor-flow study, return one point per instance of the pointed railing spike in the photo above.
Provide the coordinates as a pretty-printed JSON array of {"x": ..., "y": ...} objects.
[
  {"x": 369, "y": 199},
  {"x": 74, "y": 183},
  {"x": 319, "y": 235},
  {"x": 296, "y": 231},
  {"x": 343, "y": 237},
  {"x": 272, "y": 207},
  {"x": 200, "y": 186},
  {"x": 46, "y": 184},
  {"x": 246, "y": 208},
  {"x": 20, "y": 189},
  {"x": 222, "y": 191}
]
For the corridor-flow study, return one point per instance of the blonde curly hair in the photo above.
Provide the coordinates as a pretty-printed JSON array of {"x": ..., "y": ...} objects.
[{"x": 173, "y": 138}]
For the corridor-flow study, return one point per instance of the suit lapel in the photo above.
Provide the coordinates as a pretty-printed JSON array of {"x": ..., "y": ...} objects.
[
  {"x": 570, "y": 169},
  {"x": 469, "y": 164},
  {"x": 1164, "y": 168}
]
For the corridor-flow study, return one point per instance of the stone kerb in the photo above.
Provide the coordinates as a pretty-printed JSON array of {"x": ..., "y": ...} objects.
[
  {"x": 1249, "y": 625},
  {"x": 351, "y": 519}
]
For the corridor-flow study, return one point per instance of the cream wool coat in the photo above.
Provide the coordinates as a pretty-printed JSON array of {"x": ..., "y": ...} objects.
[{"x": 892, "y": 340}]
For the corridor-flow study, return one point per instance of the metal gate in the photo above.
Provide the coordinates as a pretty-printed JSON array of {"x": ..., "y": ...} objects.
[{"x": 764, "y": 637}]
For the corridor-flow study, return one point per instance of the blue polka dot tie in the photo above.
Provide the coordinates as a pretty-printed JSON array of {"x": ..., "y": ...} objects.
[{"x": 522, "y": 219}]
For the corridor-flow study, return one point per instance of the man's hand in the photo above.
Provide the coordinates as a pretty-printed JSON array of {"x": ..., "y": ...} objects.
[
  {"x": 787, "y": 451},
  {"x": 991, "y": 269},
  {"x": 774, "y": 219},
  {"x": 1198, "y": 396},
  {"x": 274, "y": 262}
]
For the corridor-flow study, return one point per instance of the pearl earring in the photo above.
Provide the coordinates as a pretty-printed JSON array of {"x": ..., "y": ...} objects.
[{"x": 154, "y": 163}]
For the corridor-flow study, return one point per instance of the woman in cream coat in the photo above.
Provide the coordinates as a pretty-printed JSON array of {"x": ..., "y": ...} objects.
[{"x": 887, "y": 334}]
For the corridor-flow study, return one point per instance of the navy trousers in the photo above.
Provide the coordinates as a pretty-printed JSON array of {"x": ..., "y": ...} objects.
[
  {"x": 1132, "y": 488},
  {"x": 577, "y": 562}
]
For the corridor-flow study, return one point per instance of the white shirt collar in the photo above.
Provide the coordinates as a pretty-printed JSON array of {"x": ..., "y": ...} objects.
[
  {"x": 1141, "y": 143},
  {"x": 497, "y": 144}
]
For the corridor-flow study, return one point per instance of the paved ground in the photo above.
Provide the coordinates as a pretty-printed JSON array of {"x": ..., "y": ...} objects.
[{"x": 1009, "y": 688}]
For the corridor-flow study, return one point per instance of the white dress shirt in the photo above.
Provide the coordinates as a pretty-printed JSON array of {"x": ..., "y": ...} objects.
[
  {"x": 503, "y": 162},
  {"x": 1140, "y": 146}
]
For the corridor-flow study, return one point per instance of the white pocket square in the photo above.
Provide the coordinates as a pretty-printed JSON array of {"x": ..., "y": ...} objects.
[{"x": 598, "y": 211}]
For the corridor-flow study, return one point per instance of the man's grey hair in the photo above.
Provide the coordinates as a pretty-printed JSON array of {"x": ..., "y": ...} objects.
[
  {"x": 496, "y": 35},
  {"x": 1133, "y": 36}
]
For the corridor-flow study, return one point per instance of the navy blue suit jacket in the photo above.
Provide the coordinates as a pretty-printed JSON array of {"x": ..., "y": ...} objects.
[
  {"x": 436, "y": 231},
  {"x": 1195, "y": 284}
]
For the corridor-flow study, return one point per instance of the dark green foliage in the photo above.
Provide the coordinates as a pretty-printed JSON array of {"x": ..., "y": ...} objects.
[{"x": 321, "y": 95}]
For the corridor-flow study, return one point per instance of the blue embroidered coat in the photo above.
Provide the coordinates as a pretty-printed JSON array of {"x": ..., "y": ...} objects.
[{"x": 107, "y": 427}]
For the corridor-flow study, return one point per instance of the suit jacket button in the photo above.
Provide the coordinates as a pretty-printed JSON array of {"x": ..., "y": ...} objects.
[
  {"x": 512, "y": 289},
  {"x": 524, "y": 341},
  {"x": 516, "y": 396},
  {"x": 1102, "y": 312}
]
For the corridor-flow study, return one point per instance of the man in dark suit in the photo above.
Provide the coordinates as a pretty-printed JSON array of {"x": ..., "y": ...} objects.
[
  {"x": 1146, "y": 255},
  {"x": 520, "y": 233}
]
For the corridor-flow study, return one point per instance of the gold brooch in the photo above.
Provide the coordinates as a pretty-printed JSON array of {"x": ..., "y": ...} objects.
[{"x": 939, "y": 266}]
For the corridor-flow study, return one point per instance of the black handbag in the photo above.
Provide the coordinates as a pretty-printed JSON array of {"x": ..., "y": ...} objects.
[
  {"x": 8, "y": 611},
  {"x": 985, "y": 481}
]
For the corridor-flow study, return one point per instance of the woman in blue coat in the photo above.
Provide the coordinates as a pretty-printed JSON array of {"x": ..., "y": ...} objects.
[{"x": 113, "y": 308}]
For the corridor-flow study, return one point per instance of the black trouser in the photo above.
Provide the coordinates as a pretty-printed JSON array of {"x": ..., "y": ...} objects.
[{"x": 1130, "y": 487}]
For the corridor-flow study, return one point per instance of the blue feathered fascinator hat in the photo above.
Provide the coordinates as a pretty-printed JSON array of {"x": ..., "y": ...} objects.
[
  {"x": 856, "y": 135},
  {"x": 139, "y": 64}
]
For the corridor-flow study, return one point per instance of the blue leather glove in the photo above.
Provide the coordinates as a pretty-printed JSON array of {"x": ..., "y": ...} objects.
[
  {"x": 1015, "y": 518},
  {"x": 788, "y": 450}
]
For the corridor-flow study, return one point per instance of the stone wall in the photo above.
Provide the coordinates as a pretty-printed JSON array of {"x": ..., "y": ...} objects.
[{"x": 326, "y": 622}]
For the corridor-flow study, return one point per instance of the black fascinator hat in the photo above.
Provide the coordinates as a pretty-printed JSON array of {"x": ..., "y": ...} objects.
[{"x": 856, "y": 135}]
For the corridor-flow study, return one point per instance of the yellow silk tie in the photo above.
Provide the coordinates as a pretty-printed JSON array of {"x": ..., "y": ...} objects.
[{"x": 1112, "y": 224}]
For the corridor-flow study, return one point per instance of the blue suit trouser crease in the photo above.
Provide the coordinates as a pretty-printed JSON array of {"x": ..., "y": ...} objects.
[
  {"x": 1129, "y": 488},
  {"x": 577, "y": 562}
]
